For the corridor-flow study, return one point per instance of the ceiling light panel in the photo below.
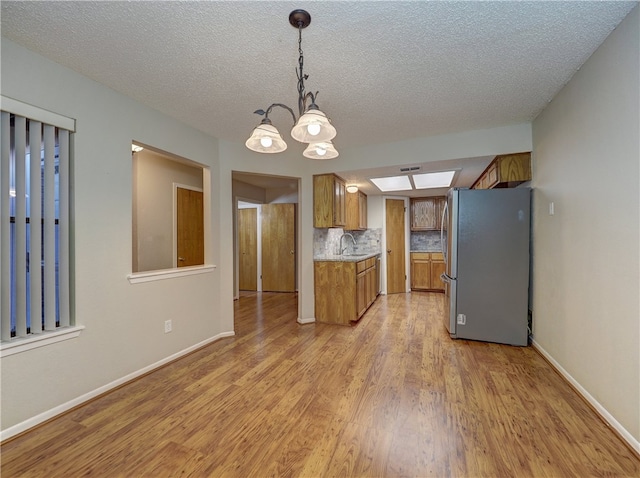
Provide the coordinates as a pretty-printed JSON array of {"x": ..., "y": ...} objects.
[
  {"x": 433, "y": 180},
  {"x": 393, "y": 183}
]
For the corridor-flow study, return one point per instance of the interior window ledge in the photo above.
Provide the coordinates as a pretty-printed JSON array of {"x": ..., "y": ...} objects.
[
  {"x": 39, "y": 340},
  {"x": 139, "y": 277}
]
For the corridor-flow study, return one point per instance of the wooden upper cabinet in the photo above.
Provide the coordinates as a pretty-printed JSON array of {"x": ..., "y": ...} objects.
[
  {"x": 426, "y": 213},
  {"x": 329, "y": 201},
  {"x": 356, "y": 211},
  {"x": 505, "y": 171}
]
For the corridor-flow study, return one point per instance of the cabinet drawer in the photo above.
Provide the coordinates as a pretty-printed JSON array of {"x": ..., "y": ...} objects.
[
  {"x": 437, "y": 257},
  {"x": 421, "y": 256},
  {"x": 361, "y": 266}
]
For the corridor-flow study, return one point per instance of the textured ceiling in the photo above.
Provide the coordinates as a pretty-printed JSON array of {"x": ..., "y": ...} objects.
[{"x": 386, "y": 71}]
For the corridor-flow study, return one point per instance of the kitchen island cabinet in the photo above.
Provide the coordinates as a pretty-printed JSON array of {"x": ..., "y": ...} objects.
[
  {"x": 344, "y": 289},
  {"x": 426, "y": 268}
]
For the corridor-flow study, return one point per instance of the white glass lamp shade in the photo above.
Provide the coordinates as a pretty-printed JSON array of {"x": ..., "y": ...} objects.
[
  {"x": 266, "y": 139},
  {"x": 321, "y": 150},
  {"x": 313, "y": 127}
]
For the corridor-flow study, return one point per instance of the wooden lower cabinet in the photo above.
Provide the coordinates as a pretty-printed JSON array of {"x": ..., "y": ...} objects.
[
  {"x": 344, "y": 290},
  {"x": 426, "y": 268}
]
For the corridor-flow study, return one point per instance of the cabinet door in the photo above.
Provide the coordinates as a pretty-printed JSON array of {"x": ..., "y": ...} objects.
[
  {"x": 491, "y": 176},
  {"x": 356, "y": 211},
  {"x": 371, "y": 285},
  {"x": 339, "y": 202},
  {"x": 362, "y": 210},
  {"x": 323, "y": 199},
  {"x": 424, "y": 214},
  {"x": 329, "y": 196},
  {"x": 420, "y": 271},
  {"x": 361, "y": 293},
  {"x": 438, "y": 267}
]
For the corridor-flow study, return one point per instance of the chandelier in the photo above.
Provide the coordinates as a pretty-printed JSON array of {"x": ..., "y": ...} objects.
[{"x": 312, "y": 126}]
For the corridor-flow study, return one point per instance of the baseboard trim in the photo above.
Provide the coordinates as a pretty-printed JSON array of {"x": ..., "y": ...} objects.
[
  {"x": 602, "y": 412},
  {"x": 310, "y": 320},
  {"x": 43, "y": 417}
]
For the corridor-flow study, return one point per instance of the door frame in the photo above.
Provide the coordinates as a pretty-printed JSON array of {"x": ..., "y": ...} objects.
[
  {"x": 407, "y": 243},
  {"x": 174, "y": 260}
]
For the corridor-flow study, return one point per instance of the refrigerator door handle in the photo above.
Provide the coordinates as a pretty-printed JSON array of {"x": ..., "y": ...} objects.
[
  {"x": 443, "y": 244},
  {"x": 445, "y": 278}
]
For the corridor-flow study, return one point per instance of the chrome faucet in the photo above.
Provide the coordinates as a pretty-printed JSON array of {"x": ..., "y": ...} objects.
[{"x": 352, "y": 238}]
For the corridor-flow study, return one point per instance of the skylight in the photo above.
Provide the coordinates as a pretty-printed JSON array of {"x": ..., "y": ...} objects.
[
  {"x": 393, "y": 183},
  {"x": 433, "y": 180}
]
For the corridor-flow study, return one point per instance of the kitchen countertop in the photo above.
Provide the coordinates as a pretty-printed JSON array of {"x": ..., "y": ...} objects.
[{"x": 345, "y": 257}]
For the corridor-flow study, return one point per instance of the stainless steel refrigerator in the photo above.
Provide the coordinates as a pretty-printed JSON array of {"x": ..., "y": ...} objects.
[{"x": 487, "y": 256}]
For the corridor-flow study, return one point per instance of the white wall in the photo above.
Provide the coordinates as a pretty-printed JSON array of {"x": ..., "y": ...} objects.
[
  {"x": 585, "y": 257},
  {"x": 124, "y": 323}
]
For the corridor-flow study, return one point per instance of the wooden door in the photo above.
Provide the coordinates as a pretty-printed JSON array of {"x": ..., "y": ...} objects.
[
  {"x": 396, "y": 273},
  {"x": 190, "y": 227},
  {"x": 248, "y": 249},
  {"x": 278, "y": 247}
]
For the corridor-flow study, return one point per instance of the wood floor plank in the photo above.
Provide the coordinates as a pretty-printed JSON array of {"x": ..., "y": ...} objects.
[{"x": 390, "y": 396}]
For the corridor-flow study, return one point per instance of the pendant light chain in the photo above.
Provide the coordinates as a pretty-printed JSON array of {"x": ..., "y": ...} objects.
[
  {"x": 301, "y": 76},
  {"x": 312, "y": 126}
]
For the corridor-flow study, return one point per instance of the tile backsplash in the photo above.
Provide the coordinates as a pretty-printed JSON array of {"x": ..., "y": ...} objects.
[
  {"x": 327, "y": 241},
  {"x": 428, "y": 241}
]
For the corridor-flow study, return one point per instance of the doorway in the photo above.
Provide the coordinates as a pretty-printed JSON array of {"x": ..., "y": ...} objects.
[
  {"x": 395, "y": 241},
  {"x": 267, "y": 247}
]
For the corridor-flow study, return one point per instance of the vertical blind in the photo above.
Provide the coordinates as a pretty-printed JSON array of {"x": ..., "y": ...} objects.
[{"x": 34, "y": 229}]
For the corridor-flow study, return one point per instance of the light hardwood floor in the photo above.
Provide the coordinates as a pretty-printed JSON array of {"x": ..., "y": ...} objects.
[{"x": 391, "y": 396}]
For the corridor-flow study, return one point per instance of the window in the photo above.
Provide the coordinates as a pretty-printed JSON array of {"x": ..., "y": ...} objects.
[{"x": 34, "y": 230}]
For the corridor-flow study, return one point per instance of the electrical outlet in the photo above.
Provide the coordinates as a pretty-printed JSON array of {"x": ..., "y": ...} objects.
[
  {"x": 167, "y": 326},
  {"x": 462, "y": 319}
]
